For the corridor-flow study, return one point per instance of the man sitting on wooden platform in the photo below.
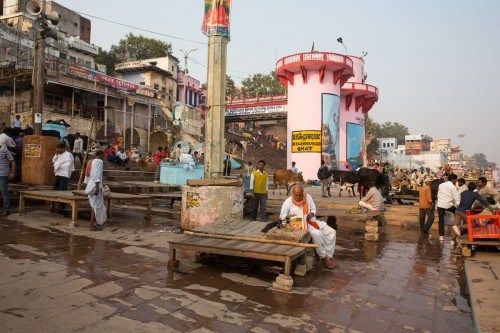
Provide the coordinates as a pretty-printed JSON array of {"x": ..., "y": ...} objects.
[{"x": 301, "y": 205}]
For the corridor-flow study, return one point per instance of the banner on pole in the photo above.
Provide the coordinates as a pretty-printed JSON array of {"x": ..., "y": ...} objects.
[{"x": 216, "y": 18}]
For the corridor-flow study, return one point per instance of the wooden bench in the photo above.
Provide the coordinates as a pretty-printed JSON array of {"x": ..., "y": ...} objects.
[
  {"x": 173, "y": 196},
  {"x": 240, "y": 238},
  {"x": 77, "y": 197}
]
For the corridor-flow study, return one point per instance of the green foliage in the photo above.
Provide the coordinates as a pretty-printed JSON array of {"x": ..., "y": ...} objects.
[
  {"x": 106, "y": 58},
  {"x": 139, "y": 48},
  {"x": 386, "y": 130},
  {"x": 481, "y": 161},
  {"x": 133, "y": 47},
  {"x": 232, "y": 91},
  {"x": 261, "y": 85}
]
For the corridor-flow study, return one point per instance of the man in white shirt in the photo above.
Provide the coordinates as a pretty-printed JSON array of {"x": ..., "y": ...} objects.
[
  {"x": 6, "y": 140},
  {"x": 16, "y": 123},
  {"x": 448, "y": 200},
  {"x": 78, "y": 147},
  {"x": 123, "y": 156},
  {"x": 64, "y": 165},
  {"x": 294, "y": 168},
  {"x": 301, "y": 204}
]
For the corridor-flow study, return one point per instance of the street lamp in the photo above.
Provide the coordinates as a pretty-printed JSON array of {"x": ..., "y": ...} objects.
[
  {"x": 186, "y": 56},
  {"x": 44, "y": 31},
  {"x": 341, "y": 42}
]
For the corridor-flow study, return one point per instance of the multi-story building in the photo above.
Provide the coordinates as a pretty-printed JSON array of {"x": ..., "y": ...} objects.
[
  {"x": 74, "y": 90},
  {"x": 189, "y": 90},
  {"x": 158, "y": 73},
  {"x": 455, "y": 160},
  {"x": 417, "y": 144},
  {"x": 441, "y": 145},
  {"x": 387, "y": 145}
]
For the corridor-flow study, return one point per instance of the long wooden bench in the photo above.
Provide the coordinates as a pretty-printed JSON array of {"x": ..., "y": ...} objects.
[
  {"x": 76, "y": 197},
  {"x": 240, "y": 238}
]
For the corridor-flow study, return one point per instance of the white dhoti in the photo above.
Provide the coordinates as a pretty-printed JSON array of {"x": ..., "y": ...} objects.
[
  {"x": 325, "y": 237},
  {"x": 96, "y": 201}
]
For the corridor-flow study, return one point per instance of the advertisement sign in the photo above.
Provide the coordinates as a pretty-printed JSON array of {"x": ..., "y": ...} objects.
[
  {"x": 308, "y": 141},
  {"x": 330, "y": 115},
  {"x": 251, "y": 110},
  {"x": 216, "y": 18},
  {"x": 113, "y": 82},
  {"x": 355, "y": 137},
  {"x": 32, "y": 150}
]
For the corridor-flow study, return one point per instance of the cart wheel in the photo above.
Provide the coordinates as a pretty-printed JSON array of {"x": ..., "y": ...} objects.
[{"x": 466, "y": 251}]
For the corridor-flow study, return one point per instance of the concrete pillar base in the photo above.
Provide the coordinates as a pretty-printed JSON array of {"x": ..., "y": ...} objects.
[
  {"x": 205, "y": 204},
  {"x": 283, "y": 283}
]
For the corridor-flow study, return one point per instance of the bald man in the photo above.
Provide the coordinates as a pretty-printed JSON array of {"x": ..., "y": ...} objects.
[{"x": 301, "y": 204}]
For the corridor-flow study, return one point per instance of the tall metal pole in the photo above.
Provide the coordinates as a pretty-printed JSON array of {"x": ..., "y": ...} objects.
[
  {"x": 216, "y": 99},
  {"x": 38, "y": 80}
]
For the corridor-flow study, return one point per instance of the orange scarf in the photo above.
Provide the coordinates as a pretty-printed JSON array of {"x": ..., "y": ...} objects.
[{"x": 305, "y": 209}]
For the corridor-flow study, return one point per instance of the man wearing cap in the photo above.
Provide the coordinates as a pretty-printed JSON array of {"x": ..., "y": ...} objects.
[{"x": 425, "y": 206}]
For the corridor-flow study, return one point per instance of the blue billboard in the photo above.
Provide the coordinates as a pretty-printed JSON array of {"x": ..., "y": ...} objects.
[
  {"x": 355, "y": 137},
  {"x": 330, "y": 127}
]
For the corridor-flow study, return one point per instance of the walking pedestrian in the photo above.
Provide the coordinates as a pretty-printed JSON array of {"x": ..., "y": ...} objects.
[
  {"x": 78, "y": 148},
  {"x": 259, "y": 186},
  {"x": 7, "y": 172},
  {"x": 227, "y": 166},
  {"x": 95, "y": 193},
  {"x": 425, "y": 206},
  {"x": 324, "y": 178},
  {"x": 448, "y": 199}
]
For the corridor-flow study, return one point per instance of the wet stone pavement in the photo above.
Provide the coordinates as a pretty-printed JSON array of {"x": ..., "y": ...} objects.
[{"x": 55, "y": 282}]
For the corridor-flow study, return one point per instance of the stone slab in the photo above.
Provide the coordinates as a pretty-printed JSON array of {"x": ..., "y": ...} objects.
[{"x": 482, "y": 273}]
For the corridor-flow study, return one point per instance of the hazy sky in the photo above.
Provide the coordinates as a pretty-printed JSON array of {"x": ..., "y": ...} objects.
[{"x": 436, "y": 63}]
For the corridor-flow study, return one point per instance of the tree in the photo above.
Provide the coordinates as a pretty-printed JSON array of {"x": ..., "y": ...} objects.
[
  {"x": 261, "y": 85},
  {"x": 481, "y": 161},
  {"x": 394, "y": 130},
  {"x": 232, "y": 91},
  {"x": 134, "y": 47},
  {"x": 106, "y": 58}
]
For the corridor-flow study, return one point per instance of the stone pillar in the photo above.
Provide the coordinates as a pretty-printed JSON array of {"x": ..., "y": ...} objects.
[{"x": 216, "y": 99}]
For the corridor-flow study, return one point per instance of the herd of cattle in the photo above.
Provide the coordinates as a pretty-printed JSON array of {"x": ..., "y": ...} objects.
[{"x": 364, "y": 178}]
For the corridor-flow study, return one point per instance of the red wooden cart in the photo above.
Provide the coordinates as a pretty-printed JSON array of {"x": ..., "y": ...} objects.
[{"x": 488, "y": 235}]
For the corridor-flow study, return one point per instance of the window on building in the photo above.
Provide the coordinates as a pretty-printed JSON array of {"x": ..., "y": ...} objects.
[
  {"x": 88, "y": 64},
  {"x": 156, "y": 86},
  {"x": 173, "y": 69},
  {"x": 75, "y": 24},
  {"x": 73, "y": 59},
  {"x": 142, "y": 83},
  {"x": 63, "y": 55},
  {"x": 80, "y": 61}
]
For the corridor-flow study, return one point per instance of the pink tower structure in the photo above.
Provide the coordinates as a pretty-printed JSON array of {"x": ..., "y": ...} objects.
[
  {"x": 357, "y": 98},
  {"x": 313, "y": 81}
]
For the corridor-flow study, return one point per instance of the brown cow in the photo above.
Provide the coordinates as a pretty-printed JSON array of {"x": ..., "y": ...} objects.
[{"x": 287, "y": 178}]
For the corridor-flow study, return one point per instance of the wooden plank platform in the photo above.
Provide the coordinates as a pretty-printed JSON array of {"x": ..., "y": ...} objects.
[
  {"x": 74, "y": 198},
  {"x": 217, "y": 239}
]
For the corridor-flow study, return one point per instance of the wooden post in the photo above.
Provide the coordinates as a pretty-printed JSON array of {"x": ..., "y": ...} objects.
[
  {"x": 124, "y": 125},
  {"x": 84, "y": 162},
  {"x": 132, "y": 126},
  {"x": 106, "y": 112},
  {"x": 72, "y": 102},
  {"x": 149, "y": 127}
]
